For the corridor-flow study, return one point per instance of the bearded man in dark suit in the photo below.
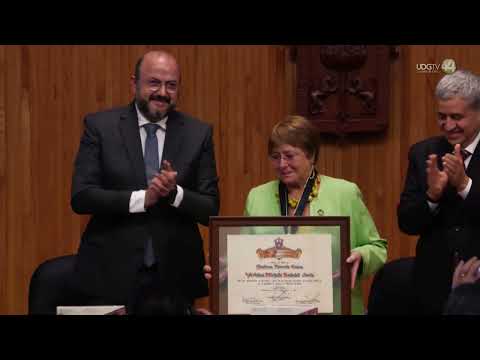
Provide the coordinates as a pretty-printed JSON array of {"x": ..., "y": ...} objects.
[{"x": 147, "y": 175}]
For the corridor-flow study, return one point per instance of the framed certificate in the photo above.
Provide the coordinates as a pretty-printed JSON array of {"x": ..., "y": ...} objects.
[{"x": 280, "y": 265}]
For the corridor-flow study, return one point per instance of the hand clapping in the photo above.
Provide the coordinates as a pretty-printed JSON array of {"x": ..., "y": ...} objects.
[
  {"x": 453, "y": 172},
  {"x": 161, "y": 185},
  {"x": 455, "y": 169}
]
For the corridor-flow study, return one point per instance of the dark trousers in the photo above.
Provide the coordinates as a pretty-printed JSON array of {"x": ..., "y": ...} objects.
[
  {"x": 146, "y": 278},
  {"x": 155, "y": 295},
  {"x": 152, "y": 294}
]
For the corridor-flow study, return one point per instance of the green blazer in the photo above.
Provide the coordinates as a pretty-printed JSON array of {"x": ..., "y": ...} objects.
[{"x": 336, "y": 197}]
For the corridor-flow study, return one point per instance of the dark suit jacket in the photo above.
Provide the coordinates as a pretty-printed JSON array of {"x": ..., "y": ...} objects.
[
  {"x": 451, "y": 232},
  {"x": 108, "y": 167}
]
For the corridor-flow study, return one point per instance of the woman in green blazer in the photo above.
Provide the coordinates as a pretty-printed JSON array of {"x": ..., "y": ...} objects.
[{"x": 300, "y": 190}]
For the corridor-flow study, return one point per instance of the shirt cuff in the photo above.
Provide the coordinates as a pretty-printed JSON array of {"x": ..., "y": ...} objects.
[
  {"x": 179, "y": 197},
  {"x": 464, "y": 192},
  {"x": 137, "y": 201}
]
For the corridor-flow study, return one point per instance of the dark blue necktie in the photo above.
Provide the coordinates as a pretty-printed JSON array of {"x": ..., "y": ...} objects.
[{"x": 152, "y": 166}]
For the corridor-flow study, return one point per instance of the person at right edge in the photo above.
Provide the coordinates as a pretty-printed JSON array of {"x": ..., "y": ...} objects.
[{"x": 441, "y": 197}]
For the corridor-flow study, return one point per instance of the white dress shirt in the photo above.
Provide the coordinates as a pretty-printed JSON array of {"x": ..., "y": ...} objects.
[{"x": 137, "y": 199}]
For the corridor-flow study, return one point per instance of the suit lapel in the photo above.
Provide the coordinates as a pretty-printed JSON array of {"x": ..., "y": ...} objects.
[
  {"x": 173, "y": 138},
  {"x": 131, "y": 136},
  {"x": 442, "y": 147},
  {"x": 474, "y": 165}
]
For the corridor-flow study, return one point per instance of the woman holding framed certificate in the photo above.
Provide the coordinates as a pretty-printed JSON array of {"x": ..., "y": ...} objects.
[{"x": 300, "y": 190}]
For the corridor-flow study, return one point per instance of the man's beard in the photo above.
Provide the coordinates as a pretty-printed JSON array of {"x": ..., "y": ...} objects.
[{"x": 157, "y": 115}]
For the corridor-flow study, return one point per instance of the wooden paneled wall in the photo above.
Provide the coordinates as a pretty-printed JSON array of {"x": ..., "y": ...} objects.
[{"x": 242, "y": 90}]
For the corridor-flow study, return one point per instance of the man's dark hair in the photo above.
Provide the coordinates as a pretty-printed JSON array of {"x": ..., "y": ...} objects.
[{"x": 464, "y": 300}]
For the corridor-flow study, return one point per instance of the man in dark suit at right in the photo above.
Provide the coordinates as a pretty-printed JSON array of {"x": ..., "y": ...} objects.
[{"x": 441, "y": 197}]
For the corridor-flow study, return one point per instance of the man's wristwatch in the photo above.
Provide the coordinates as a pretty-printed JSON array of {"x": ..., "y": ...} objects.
[{"x": 172, "y": 195}]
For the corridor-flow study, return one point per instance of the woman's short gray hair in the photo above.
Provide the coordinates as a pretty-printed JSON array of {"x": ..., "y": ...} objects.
[{"x": 461, "y": 83}]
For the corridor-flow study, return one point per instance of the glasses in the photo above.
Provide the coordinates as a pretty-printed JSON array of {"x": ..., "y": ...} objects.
[
  {"x": 155, "y": 85},
  {"x": 288, "y": 157}
]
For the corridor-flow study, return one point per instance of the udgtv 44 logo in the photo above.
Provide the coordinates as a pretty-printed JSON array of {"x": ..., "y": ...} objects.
[{"x": 448, "y": 66}]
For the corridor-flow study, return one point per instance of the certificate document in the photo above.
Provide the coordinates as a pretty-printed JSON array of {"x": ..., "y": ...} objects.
[{"x": 279, "y": 274}]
